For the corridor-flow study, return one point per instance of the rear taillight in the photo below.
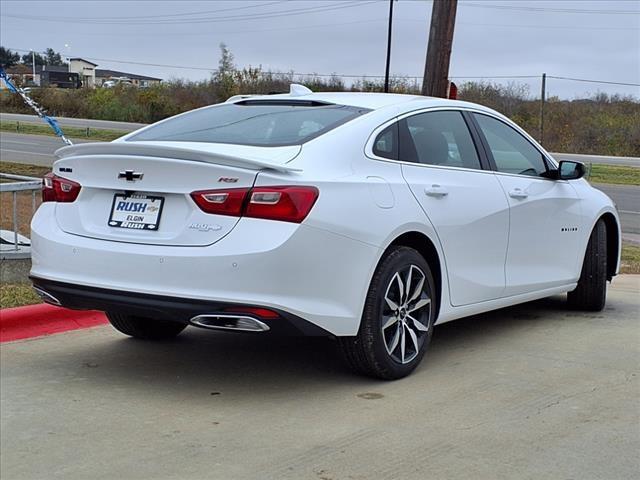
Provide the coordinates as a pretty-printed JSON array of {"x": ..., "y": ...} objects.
[
  {"x": 221, "y": 202},
  {"x": 58, "y": 189},
  {"x": 287, "y": 204}
]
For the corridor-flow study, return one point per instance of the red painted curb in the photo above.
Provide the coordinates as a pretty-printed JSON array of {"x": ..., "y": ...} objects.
[{"x": 44, "y": 319}]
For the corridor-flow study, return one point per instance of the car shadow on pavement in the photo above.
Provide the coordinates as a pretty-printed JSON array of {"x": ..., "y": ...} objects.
[{"x": 218, "y": 363}]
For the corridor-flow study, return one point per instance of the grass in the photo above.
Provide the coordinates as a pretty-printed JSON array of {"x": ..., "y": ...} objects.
[
  {"x": 70, "y": 132},
  {"x": 24, "y": 169},
  {"x": 17, "y": 295},
  {"x": 25, "y": 207},
  {"x": 630, "y": 261},
  {"x": 614, "y": 174},
  {"x": 24, "y": 199}
]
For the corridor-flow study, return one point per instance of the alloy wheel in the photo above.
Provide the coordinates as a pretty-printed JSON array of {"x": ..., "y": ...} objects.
[{"x": 406, "y": 313}]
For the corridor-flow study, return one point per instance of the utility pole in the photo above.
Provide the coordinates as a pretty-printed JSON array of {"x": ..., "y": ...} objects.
[
  {"x": 436, "y": 69},
  {"x": 33, "y": 65},
  {"x": 542, "y": 100},
  {"x": 386, "y": 73}
]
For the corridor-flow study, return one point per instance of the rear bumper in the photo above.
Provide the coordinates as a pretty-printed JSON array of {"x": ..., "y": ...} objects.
[
  {"x": 182, "y": 310},
  {"x": 307, "y": 272}
]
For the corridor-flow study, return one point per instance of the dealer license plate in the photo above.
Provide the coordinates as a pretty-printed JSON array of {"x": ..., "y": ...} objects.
[{"x": 137, "y": 211}]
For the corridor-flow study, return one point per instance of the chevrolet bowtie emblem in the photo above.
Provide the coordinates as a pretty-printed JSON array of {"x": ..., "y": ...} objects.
[{"x": 130, "y": 175}]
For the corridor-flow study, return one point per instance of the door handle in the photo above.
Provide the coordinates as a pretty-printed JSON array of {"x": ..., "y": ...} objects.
[
  {"x": 436, "y": 190},
  {"x": 518, "y": 193}
]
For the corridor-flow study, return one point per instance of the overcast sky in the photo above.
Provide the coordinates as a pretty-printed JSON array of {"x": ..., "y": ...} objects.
[{"x": 597, "y": 40}]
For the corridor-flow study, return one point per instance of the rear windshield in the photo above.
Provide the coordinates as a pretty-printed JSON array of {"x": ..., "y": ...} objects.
[{"x": 260, "y": 123}]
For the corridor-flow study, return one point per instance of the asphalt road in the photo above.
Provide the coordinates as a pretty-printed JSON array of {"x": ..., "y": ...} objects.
[
  {"x": 624, "y": 161},
  {"x": 627, "y": 198},
  {"x": 33, "y": 149},
  {"x": 534, "y": 391},
  {"x": 74, "y": 122},
  {"x": 38, "y": 150}
]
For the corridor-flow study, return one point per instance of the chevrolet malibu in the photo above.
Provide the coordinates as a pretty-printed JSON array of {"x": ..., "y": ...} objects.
[{"x": 362, "y": 216}]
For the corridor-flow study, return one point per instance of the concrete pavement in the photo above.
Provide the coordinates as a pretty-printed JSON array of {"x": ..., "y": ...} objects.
[{"x": 534, "y": 391}]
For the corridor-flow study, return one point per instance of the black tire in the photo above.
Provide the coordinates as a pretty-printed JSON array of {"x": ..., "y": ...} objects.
[
  {"x": 591, "y": 292},
  {"x": 368, "y": 352},
  {"x": 144, "y": 328}
]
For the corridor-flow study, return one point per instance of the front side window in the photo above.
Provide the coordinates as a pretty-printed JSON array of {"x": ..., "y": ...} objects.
[
  {"x": 439, "y": 138},
  {"x": 511, "y": 152},
  {"x": 259, "y": 123}
]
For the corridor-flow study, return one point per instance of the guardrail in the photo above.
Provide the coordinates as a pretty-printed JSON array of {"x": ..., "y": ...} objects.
[{"x": 20, "y": 184}]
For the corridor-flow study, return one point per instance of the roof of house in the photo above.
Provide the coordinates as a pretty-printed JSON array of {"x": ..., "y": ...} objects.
[
  {"x": 114, "y": 73},
  {"x": 83, "y": 60}
]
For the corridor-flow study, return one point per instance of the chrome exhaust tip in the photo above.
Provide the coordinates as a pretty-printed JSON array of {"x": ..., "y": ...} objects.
[
  {"x": 238, "y": 323},
  {"x": 47, "y": 297}
]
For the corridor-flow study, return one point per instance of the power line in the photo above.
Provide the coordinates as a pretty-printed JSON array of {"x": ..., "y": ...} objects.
[
  {"x": 496, "y": 76},
  {"x": 186, "y": 14},
  {"x": 216, "y": 19},
  {"x": 219, "y": 33},
  {"x": 551, "y": 9},
  {"x": 559, "y": 27},
  {"x": 595, "y": 81}
]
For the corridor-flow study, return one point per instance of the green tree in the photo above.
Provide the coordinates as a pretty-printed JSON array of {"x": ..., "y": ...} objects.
[
  {"x": 8, "y": 58},
  {"x": 226, "y": 67},
  {"x": 49, "y": 57},
  {"x": 54, "y": 58},
  {"x": 224, "y": 76}
]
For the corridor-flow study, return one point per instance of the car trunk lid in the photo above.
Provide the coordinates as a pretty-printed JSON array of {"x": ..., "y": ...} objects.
[{"x": 140, "y": 192}]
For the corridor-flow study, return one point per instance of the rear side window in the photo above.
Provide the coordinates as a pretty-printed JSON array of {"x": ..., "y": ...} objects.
[
  {"x": 259, "y": 123},
  {"x": 438, "y": 138},
  {"x": 512, "y": 152},
  {"x": 386, "y": 144}
]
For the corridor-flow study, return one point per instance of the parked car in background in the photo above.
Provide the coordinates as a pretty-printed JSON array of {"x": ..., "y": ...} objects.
[
  {"x": 118, "y": 81},
  {"x": 363, "y": 216}
]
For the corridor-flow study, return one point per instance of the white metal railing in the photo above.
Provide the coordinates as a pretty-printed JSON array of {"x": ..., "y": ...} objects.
[{"x": 21, "y": 183}]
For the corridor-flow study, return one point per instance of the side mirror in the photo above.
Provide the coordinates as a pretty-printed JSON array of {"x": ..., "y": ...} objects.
[{"x": 568, "y": 170}]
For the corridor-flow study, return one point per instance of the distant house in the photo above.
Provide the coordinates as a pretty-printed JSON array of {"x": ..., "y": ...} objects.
[
  {"x": 85, "y": 69},
  {"x": 138, "y": 80},
  {"x": 89, "y": 76},
  {"x": 45, "y": 75}
]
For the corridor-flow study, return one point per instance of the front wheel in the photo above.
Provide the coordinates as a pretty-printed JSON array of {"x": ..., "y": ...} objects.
[
  {"x": 398, "y": 317},
  {"x": 144, "y": 328},
  {"x": 591, "y": 292}
]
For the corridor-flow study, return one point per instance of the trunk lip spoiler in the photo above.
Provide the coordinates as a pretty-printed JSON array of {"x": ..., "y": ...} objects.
[{"x": 117, "y": 149}]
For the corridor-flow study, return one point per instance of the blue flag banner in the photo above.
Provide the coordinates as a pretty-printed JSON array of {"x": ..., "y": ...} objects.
[{"x": 41, "y": 112}]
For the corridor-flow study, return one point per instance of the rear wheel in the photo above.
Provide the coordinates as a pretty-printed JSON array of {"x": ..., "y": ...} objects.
[
  {"x": 144, "y": 328},
  {"x": 591, "y": 292},
  {"x": 397, "y": 322}
]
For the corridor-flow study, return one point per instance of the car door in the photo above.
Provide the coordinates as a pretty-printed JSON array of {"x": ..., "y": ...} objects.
[
  {"x": 463, "y": 201},
  {"x": 544, "y": 213}
]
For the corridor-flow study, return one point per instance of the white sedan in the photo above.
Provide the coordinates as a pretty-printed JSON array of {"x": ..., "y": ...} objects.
[{"x": 363, "y": 216}]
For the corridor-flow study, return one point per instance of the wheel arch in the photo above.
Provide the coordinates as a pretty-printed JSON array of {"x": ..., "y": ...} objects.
[
  {"x": 425, "y": 247},
  {"x": 613, "y": 243}
]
